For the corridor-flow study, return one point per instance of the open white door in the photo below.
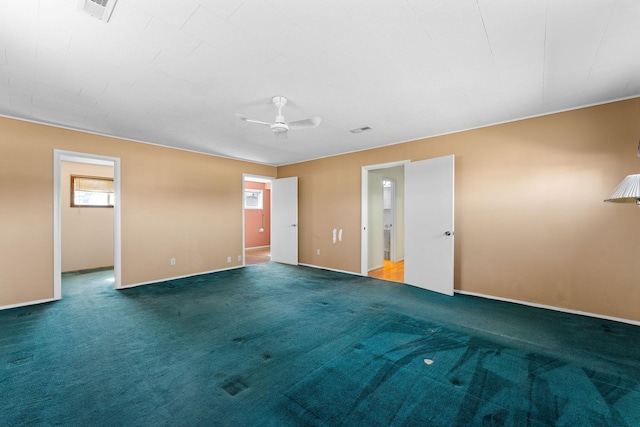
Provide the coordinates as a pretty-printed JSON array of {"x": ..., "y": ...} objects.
[
  {"x": 428, "y": 253},
  {"x": 284, "y": 220}
]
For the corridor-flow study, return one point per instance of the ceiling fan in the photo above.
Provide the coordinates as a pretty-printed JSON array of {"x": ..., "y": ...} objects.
[{"x": 280, "y": 126}]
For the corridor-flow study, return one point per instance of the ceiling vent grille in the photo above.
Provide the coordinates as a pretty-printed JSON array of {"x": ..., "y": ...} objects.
[
  {"x": 358, "y": 130},
  {"x": 101, "y": 9}
]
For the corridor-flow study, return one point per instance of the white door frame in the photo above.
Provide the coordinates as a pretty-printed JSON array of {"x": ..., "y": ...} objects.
[
  {"x": 247, "y": 177},
  {"x": 364, "y": 208},
  {"x": 60, "y": 156}
]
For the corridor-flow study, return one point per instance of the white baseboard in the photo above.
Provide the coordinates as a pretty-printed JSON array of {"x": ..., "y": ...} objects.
[
  {"x": 475, "y": 294},
  {"x": 530, "y": 304},
  {"x": 257, "y": 247},
  {"x": 331, "y": 269},
  {"x": 23, "y": 304},
  {"x": 550, "y": 307},
  {"x": 151, "y": 282}
]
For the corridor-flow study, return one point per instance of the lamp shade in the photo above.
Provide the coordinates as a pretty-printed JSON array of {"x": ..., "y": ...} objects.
[{"x": 627, "y": 191}]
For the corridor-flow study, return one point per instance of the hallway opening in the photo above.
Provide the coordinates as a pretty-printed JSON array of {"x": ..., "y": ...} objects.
[{"x": 257, "y": 219}]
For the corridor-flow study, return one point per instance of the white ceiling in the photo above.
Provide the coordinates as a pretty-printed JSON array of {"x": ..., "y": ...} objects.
[{"x": 175, "y": 73}]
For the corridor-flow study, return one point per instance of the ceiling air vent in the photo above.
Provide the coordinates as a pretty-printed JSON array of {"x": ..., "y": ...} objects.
[
  {"x": 358, "y": 130},
  {"x": 101, "y": 9}
]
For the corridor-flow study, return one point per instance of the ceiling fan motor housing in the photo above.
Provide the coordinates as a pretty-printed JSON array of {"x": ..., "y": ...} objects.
[{"x": 279, "y": 127}]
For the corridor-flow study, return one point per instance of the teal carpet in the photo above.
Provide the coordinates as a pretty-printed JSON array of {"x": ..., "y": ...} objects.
[{"x": 276, "y": 345}]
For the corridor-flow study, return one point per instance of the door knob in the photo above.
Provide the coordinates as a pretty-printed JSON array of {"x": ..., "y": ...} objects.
[
  {"x": 293, "y": 225},
  {"x": 448, "y": 233}
]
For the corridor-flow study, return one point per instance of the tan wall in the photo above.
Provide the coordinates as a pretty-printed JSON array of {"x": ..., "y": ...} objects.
[
  {"x": 328, "y": 197},
  {"x": 530, "y": 220},
  {"x": 87, "y": 233},
  {"x": 175, "y": 204}
]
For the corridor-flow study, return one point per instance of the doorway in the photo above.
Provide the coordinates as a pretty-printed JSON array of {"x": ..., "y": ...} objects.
[
  {"x": 87, "y": 221},
  {"x": 257, "y": 219},
  {"x": 283, "y": 212},
  {"x": 389, "y": 218},
  {"x": 393, "y": 264},
  {"x": 61, "y": 157},
  {"x": 385, "y": 258},
  {"x": 428, "y": 220}
]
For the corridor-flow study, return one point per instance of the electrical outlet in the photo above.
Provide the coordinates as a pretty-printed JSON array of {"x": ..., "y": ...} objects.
[
  {"x": 317, "y": 251},
  {"x": 239, "y": 257},
  {"x": 173, "y": 261},
  {"x": 228, "y": 259}
]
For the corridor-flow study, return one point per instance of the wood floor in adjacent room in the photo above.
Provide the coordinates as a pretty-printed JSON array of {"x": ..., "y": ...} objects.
[
  {"x": 392, "y": 271},
  {"x": 257, "y": 256}
]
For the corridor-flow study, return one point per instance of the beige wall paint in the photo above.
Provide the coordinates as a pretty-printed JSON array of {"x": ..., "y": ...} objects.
[
  {"x": 174, "y": 204},
  {"x": 530, "y": 220},
  {"x": 87, "y": 233},
  {"x": 328, "y": 197}
]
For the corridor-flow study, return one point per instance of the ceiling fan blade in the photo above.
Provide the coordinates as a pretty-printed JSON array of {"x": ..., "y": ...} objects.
[
  {"x": 305, "y": 124},
  {"x": 248, "y": 120}
]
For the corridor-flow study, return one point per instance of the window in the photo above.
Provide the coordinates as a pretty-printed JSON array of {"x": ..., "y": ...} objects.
[
  {"x": 91, "y": 191},
  {"x": 252, "y": 199}
]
